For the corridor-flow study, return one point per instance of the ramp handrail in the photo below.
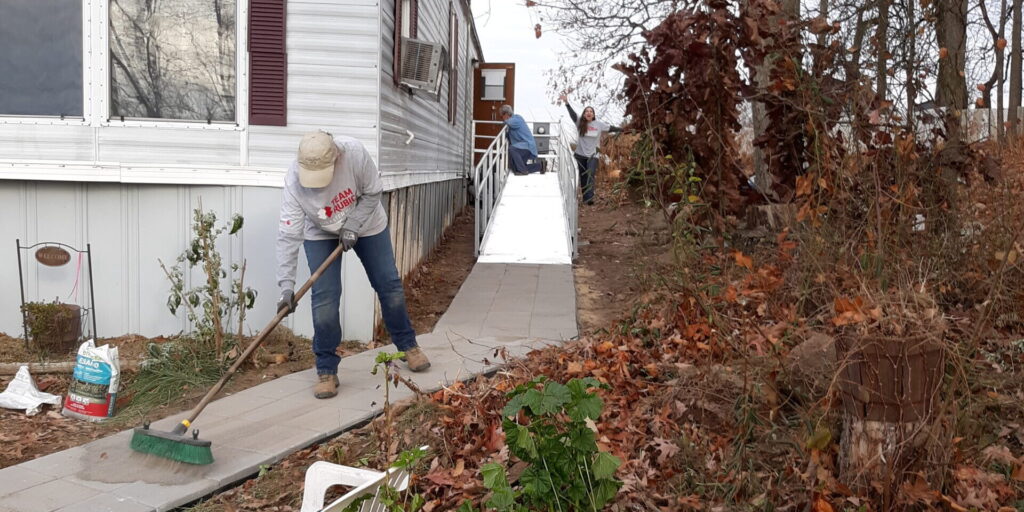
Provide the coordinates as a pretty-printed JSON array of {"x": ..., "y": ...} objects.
[
  {"x": 568, "y": 178},
  {"x": 489, "y": 177}
]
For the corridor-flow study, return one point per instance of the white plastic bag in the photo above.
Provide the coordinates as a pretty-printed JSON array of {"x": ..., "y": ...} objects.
[{"x": 22, "y": 393}]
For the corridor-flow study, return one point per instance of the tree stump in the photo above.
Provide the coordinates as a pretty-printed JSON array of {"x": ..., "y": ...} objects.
[{"x": 888, "y": 388}]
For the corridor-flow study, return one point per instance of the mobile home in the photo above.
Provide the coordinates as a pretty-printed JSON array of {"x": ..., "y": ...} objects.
[{"x": 118, "y": 117}]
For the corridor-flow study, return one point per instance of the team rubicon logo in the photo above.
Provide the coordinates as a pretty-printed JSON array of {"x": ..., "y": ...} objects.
[{"x": 338, "y": 203}]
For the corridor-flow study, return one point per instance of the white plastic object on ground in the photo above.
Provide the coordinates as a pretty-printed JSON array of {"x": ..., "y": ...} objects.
[{"x": 22, "y": 393}]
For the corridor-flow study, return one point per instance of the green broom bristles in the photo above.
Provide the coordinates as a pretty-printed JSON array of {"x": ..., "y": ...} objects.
[{"x": 172, "y": 446}]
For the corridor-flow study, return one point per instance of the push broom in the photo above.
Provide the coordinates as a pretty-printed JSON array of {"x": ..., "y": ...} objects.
[{"x": 177, "y": 444}]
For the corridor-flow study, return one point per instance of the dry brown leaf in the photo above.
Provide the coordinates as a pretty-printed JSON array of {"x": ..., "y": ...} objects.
[
  {"x": 743, "y": 260},
  {"x": 919, "y": 491},
  {"x": 440, "y": 477},
  {"x": 1000, "y": 453},
  {"x": 666, "y": 450},
  {"x": 821, "y": 505}
]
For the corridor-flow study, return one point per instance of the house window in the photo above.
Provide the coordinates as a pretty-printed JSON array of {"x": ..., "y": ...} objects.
[
  {"x": 173, "y": 60},
  {"x": 406, "y": 18},
  {"x": 494, "y": 84},
  {"x": 41, "y": 67}
]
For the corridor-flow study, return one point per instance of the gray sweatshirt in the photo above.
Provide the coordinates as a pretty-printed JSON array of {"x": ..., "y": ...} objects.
[
  {"x": 588, "y": 143},
  {"x": 350, "y": 201}
]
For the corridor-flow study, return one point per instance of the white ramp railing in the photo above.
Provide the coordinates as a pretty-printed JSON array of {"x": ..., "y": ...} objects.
[
  {"x": 568, "y": 179},
  {"x": 489, "y": 178}
]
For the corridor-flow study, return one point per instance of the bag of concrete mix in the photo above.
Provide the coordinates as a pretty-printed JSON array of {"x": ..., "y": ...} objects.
[{"x": 92, "y": 394}]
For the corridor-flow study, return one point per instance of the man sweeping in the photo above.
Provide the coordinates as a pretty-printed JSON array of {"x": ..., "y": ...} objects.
[{"x": 332, "y": 197}]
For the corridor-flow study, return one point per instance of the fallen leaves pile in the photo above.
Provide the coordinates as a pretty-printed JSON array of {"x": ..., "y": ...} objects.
[{"x": 698, "y": 408}]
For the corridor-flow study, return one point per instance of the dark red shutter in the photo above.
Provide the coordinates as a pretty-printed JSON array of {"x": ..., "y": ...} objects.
[
  {"x": 268, "y": 63},
  {"x": 396, "y": 68},
  {"x": 414, "y": 17},
  {"x": 453, "y": 74}
]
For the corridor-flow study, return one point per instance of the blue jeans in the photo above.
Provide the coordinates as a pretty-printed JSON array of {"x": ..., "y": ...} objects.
[
  {"x": 588, "y": 168},
  {"x": 520, "y": 160},
  {"x": 379, "y": 261}
]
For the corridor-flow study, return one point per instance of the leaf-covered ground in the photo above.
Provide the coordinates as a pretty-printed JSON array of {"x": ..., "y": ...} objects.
[{"x": 713, "y": 400}]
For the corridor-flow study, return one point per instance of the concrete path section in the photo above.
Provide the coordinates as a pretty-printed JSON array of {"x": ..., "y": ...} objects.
[
  {"x": 529, "y": 223},
  {"x": 500, "y": 309},
  {"x": 532, "y": 301}
]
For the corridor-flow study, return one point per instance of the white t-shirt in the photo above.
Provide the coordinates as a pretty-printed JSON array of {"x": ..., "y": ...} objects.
[{"x": 586, "y": 145}]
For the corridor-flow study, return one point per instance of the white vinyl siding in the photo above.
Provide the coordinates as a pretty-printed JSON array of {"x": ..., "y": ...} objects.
[{"x": 438, "y": 149}]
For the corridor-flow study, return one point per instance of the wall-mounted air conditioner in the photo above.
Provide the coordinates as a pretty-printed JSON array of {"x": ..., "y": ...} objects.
[{"x": 421, "y": 64}]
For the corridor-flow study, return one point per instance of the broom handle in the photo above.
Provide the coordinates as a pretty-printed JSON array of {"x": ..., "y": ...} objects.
[{"x": 183, "y": 426}]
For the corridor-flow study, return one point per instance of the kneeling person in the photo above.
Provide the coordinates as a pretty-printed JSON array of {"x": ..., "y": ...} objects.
[
  {"x": 522, "y": 149},
  {"x": 332, "y": 196}
]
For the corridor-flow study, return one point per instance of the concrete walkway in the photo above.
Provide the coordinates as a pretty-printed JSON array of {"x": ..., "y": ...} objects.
[{"x": 515, "y": 307}]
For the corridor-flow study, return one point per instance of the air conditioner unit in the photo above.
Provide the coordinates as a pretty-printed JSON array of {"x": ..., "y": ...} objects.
[{"x": 421, "y": 64}]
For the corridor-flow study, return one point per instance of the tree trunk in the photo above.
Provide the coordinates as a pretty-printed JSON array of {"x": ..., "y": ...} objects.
[
  {"x": 951, "y": 88},
  {"x": 1015, "y": 71},
  {"x": 911, "y": 70},
  {"x": 997, "y": 74},
  {"x": 852, "y": 65},
  {"x": 762, "y": 176},
  {"x": 823, "y": 12},
  {"x": 876, "y": 453},
  {"x": 882, "y": 49},
  {"x": 1000, "y": 59}
]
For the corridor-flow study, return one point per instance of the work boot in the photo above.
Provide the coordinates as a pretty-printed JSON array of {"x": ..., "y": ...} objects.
[
  {"x": 327, "y": 387},
  {"x": 416, "y": 359}
]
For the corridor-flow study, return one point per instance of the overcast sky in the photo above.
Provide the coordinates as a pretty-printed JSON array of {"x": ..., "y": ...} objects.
[{"x": 507, "y": 35}]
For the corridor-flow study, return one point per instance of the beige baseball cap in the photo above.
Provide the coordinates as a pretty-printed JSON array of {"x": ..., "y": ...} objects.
[{"x": 317, "y": 153}]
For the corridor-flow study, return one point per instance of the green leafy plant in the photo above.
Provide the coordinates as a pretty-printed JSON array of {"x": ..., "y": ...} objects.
[
  {"x": 384, "y": 363},
  {"x": 406, "y": 461},
  {"x": 210, "y": 304},
  {"x": 393, "y": 499},
  {"x": 196, "y": 360},
  {"x": 549, "y": 426},
  {"x": 53, "y": 327}
]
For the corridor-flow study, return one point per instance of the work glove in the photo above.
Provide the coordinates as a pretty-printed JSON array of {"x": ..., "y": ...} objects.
[
  {"x": 286, "y": 302},
  {"x": 348, "y": 238}
]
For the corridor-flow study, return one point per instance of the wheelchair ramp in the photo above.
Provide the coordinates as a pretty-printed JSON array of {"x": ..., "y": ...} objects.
[{"x": 529, "y": 223}]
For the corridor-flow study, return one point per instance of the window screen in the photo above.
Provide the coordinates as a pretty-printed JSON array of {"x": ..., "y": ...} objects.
[
  {"x": 172, "y": 60},
  {"x": 41, "y": 58}
]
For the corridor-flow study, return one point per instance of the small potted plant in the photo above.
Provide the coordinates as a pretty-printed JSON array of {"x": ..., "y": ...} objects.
[{"x": 53, "y": 327}]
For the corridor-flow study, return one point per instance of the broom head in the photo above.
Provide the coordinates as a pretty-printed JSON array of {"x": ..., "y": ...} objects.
[{"x": 172, "y": 445}]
